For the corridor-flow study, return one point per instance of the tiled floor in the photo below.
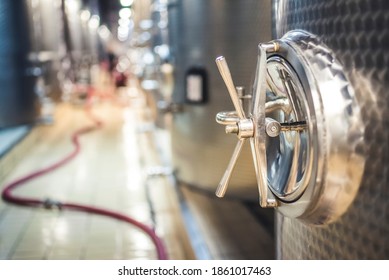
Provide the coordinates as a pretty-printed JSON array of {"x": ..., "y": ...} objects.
[
  {"x": 110, "y": 172},
  {"x": 113, "y": 171}
]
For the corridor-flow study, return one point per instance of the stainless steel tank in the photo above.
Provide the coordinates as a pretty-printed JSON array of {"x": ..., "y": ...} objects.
[
  {"x": 357, "y": 31},
  {"x": 18, "y": 76},
  {"x": 82, "y": 21},
  {"x": 46, "y": 34},
  {"x": 199, "y": 31}
]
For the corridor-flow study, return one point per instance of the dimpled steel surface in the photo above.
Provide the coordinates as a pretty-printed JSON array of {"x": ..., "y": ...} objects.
[{"x": 358, "y": 33}]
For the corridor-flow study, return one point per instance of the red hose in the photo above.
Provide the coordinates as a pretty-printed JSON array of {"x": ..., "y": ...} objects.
[{"x": 26, "y": 201}]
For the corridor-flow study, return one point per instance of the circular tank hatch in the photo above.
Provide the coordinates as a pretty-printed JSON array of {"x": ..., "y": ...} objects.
[
  {"x": 288, "y": 155},
  {"x": 304, "y": 129}
]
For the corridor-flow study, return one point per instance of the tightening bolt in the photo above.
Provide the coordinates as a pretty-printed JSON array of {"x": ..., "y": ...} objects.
[{"x": 273, "y": 128}]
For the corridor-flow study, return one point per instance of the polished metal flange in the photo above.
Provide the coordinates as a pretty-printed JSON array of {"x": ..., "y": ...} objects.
[{"x": 304, "y": 128}]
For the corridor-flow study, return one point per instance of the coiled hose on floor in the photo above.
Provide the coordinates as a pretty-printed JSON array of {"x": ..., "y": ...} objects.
[{"x": 8, "y": 196}]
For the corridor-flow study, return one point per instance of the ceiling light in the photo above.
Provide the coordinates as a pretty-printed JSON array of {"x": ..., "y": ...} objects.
[
  {"x": 125, "y": 13},
  {"x": 126, "y": 3}
]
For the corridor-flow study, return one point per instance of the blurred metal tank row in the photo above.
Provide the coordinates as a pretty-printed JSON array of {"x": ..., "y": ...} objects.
[
  {"x": 49, "y": 44},
  {"x": 41, "y": 43}
]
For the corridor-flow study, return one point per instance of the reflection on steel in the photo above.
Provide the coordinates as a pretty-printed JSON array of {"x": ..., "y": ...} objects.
[{"x": 278, "y": 104}]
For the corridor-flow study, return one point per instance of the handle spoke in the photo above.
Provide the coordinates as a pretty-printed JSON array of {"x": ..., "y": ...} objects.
[
  {"x": 253, "y": 128},
  {"x": 222, "y": 188},
  {"x": 226, "y": 75}
]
